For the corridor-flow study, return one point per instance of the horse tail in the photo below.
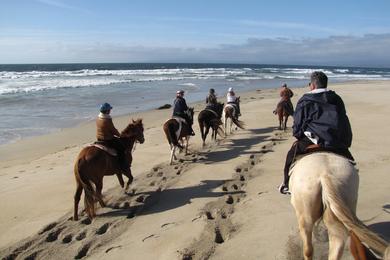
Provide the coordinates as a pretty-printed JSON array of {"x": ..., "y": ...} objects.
[
  {"x": 337, "y": 205},
  {"x": 90, "y": 194},
  {"x": 238, "y": 123}
]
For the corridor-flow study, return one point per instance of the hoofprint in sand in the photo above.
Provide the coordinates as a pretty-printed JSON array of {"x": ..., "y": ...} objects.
[{"x": 219, "y": 202}]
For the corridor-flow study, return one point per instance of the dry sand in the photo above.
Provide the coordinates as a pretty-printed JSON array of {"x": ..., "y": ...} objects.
[{"x": 219, "y": 202}]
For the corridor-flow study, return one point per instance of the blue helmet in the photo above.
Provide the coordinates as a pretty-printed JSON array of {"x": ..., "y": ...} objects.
[{"x": 105, "y": 107}]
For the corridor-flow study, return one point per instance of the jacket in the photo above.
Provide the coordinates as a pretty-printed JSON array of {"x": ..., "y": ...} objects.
[
  {"x": 323, "y": 114},
  {"x": 211, "y": 99},
  {"x": 105, "y": 129},
  {"x": 179, "y": 106}
]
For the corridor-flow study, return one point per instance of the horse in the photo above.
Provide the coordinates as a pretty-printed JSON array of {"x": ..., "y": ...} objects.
[
  {"x": 230, "y": 112},
  {"x": 283, "y": 110},
  {"x": 325, "y": 185},
  {"x": 171, "y": 126},
  {"x": 93, "y": 163},
  {"x": 210, "y": 118}
]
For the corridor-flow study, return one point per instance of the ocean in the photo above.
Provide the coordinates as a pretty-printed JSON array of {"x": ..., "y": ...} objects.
[{"x": 37, "y": 99}]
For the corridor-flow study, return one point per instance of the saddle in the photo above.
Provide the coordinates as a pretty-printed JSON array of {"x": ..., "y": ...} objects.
[{"x": 105, "y": 147}]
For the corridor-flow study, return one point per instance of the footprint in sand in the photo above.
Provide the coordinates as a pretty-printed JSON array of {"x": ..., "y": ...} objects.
[
  {"x": 82, "y": 252},
  {"x": 103, "y": 229}
]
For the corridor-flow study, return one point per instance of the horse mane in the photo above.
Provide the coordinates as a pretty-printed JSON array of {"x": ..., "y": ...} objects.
[{"x": 130, "y": 127}]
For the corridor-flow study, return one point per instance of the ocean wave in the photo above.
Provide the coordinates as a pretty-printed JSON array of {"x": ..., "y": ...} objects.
[{"x": 32, "y": 81}]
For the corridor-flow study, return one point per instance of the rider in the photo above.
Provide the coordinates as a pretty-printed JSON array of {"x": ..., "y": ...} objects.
[
  {"x": 109, "y": 135},
  {"x": 320, "y": 120},
  {"x": 211, "y": 99},
  {"x": 285, "y": 96},
  {"x": 232, "y": 99},
  {"x": 180, "y": 107}
]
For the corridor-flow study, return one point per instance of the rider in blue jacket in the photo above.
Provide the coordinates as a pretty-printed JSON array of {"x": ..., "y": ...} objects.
[
  {"x": 320, "y": 119},
  {"x": 180, "y": 108}
]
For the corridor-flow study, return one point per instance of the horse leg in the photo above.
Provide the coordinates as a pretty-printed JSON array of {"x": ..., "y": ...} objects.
[
  {"x": 99, "y": 187},
  {"x": 172, "y": 154},
  {"x": 225, "y": 124},
  {"x": 77, "y": 197},
  {"x": 307, "y": 202},
  {"x": 337, "y": 235},
  {"x": 205, "y": 134},
  {"x": 231, "y": 125},
  {"x": 120, "y": 179},
  {"x": 130, "y": 178},
  {"x": 187, "y": 140},
  {"x": 285, "y": 123}
]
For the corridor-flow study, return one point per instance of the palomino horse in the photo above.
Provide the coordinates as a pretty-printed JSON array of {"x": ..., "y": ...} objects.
[
  {"x": 230, "y": 112},
  {"x": 325, "y": 185},
  {"x": 171, "y": 129},
  {"x": 210, "y": 118},
  {"x": 284, "y": 110},
  {"x": 92, "y": 164}
]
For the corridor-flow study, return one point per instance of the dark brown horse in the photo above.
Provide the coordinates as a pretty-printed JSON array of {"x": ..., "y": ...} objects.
[
  {"x": 284, "y": 109},
  {"x": 211, "y": 118},
  {"x": 231, "y": 112},
  {"x": 171, "y": 127},
  {"x": 92, "y": 164}
]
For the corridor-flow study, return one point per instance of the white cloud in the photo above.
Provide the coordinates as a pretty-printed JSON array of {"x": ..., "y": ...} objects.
[{"x": 368, "y": 50}]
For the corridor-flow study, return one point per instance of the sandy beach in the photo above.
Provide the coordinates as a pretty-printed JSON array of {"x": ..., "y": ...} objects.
[{"x": 218, "y": 202}]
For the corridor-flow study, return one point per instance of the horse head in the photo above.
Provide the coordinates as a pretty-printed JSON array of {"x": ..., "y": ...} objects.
[
  {"x": 219, "y": 108},
  {"x": 135, "y": 130},
  {"x": 190, "y": 113}
]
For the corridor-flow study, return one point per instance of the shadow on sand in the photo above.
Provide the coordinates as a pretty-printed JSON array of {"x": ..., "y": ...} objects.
[{"x": 160, "y": 201}]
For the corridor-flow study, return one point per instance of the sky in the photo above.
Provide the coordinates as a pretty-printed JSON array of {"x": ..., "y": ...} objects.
[{"x": 348, "y": 33}]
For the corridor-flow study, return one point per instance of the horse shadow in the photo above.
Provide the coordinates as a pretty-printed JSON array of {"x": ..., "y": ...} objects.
[
  {"x": 160, "y": 201},
  {"x": 240, "y": 146}
]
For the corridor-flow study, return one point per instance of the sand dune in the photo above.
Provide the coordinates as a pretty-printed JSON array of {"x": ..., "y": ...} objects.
[{"x": 218, "y": 202}]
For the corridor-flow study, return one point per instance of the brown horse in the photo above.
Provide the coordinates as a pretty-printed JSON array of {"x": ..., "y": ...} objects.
[
  {"x": 92, "y": 164},
  {"x": 284, "y": 109},
  {"x": 230, "y": 112},
  {"x": 171, "y": 126},
  {"x": 211, "y": 118}
]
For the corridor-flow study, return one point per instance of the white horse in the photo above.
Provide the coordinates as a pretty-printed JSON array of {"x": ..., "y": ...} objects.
[{"x": 326, "y": 185}]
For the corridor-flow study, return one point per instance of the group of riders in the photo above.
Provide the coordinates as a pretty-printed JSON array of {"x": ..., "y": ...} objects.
[{"x": 320, "y": 122}]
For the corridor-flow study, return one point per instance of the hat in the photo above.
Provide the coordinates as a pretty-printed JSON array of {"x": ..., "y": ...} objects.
[
  {"x": 180, "y": 91},
  {"x": 230, "y": 90}
]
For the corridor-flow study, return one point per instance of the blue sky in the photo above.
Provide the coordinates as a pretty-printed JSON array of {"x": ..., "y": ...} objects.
[{"x": 355, "y": 33}]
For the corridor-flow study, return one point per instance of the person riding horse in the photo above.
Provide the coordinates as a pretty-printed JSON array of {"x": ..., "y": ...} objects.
[
  {"x": 232, "y": 99},
  {"x": 107, "y": 134},
  {"x": 180, "y": 109},
  {"x": 285, "y": 97},
  {"x": 211, "y": 100},
  {"x": 320, "y": 124}
]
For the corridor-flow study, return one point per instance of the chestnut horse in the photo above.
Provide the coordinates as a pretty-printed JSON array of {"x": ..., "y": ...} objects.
[
  {"x": 230, "y": 112},
  {"x": 171, "y": 126},
  {"x": 283, "y": 110},
  {"x": 92, "y": 164},
  {"x": 210, "y": 118},
  {"x": 325, "y": 185}
]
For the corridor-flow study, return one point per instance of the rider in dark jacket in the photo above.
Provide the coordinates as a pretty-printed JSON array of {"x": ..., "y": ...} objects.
[
  {"x": 320, "y": 118},
  {"x": 211, "y": 100},
  {"x": 180, "y": 107}
]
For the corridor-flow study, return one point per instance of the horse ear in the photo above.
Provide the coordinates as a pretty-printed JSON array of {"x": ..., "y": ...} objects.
[{"x": 133, "y": 121}]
